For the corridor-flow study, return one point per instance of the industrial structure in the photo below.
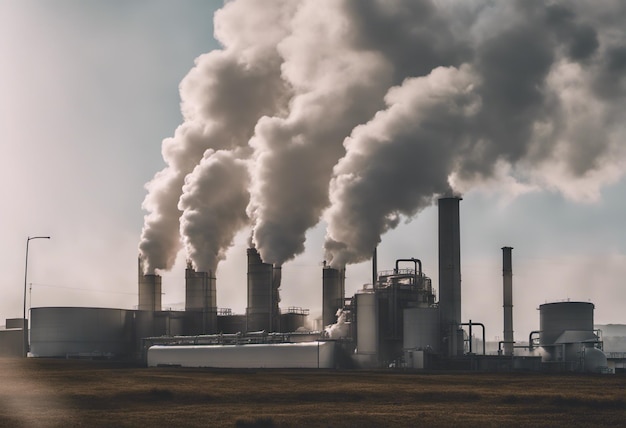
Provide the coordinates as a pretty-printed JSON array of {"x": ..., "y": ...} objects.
[{"x": 395, "y": 321}]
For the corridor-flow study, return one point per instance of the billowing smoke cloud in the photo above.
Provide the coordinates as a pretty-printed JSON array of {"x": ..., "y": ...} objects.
[
  {"x": 341, "y": 58},
  {"x": 214, "y": 200},
  {"x": 368, "y": 110},
  {"x": 531, "y": 94},
  {"x": 223, "y": 97},
  {"x": 340, "y": 328}
]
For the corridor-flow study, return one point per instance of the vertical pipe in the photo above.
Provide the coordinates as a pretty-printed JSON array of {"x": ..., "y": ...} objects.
[
  {"x": 507, "y": 295},
  {"x": 450, "y": 273},
  {"x": 374, "y": 267}
]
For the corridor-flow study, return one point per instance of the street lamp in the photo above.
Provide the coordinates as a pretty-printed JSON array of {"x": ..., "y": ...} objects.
[{"x": 25, "y": 328}]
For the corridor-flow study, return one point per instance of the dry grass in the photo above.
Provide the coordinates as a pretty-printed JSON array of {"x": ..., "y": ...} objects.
[{"x": 61, "y": 393}]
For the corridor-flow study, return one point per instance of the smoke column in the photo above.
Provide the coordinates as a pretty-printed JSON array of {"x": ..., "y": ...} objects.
[
  {"x": 362, "y": 112},
  {"x": 222, "y": 98},
  {"x": 532, "y": 99},
  {"x": 341, "y": 58}
]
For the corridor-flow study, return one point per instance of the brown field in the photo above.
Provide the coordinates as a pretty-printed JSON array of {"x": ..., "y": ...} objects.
[{"x": 66, "y": 393}]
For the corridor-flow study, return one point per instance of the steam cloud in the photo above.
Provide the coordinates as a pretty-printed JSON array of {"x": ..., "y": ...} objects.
[{"x": 363, "y": 112}]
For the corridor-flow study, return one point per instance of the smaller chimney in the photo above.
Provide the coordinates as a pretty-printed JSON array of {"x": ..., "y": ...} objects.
[{"x": 507, "y": 295}]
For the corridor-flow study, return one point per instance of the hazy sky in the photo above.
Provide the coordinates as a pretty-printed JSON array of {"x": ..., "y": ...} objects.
[{"x": 89, "y": 90}]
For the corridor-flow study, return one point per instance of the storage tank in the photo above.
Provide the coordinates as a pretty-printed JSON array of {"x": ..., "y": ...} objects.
[
  {"x": 81, "y": 332},
  {"x": 594, "y": 360},
  {"x": 366, "y": 329},
  {"x": 281, "y": 355},
  {"x": 333, "y": 292},
  {"x": 555, "y": 318}
]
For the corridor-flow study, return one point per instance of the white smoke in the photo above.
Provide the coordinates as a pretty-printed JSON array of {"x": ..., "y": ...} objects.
[
  {"x": 222, "y": 98},
  {"x": 214, "y": 200},
  {"x": 529, "y": 98},
  {"x": 364, "y": 111},
  {"x": 340, "y": 328},
  {"x": 337, "y": 86}
]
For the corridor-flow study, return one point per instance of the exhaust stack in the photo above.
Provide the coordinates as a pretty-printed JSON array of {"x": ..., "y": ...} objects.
[
  {"x": 333, "y": 293},
  {"x": 149, "y": 291},
  {"x": 264, "y": 279},
  {"x": 450, "y": 275},
  {"x": 507, "y": 295},
  {"x": 200, "y": 298}
]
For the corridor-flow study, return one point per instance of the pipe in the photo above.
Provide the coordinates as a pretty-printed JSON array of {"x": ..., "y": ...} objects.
[
  {"x": 374, "y": 267},
  {"x": 531, "y": 345},
  {"x": 470, "y": 324},
  {"x": 418, "y": 268}
]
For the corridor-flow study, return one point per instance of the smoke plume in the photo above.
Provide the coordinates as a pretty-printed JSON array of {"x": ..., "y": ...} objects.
[
  {"x": 362, "y": 112},
  {"x": 222, "y": 98},
  {"x": 529, "y": 95}
]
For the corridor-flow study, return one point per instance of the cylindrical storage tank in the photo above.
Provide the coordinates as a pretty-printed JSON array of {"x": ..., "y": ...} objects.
[
  {"x": 260, "y": 293},
  {"x": 333, "y": 283},
  {"x": 280, "y": 355},
  {"x": 450, "y": 272},
  {"x": 81, "y": 332},
  {"x": 366, "y": 324},
  {"x": 421, "y": 329},
  {"x": 555, "y": 318},
  {"x": 149, "y": 293}
]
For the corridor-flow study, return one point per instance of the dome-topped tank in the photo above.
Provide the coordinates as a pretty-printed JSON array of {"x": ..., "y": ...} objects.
[
  {"x": 595, "y": 360},
  {"x": 555, "y": 318}
]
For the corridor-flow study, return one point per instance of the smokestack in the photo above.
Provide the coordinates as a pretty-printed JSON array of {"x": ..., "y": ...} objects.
[
  {"x": 200, "y": 298},
  {"x": 450, "y": 274},
  {"x": 333, "y": 293},
  {"x": 277, "y": 276},
  {"x": 374, "y": 266},
  {"x": 507, "y": 295},
  {"x": 262, "y": 309},
  {"x": 149, "y": 293}
]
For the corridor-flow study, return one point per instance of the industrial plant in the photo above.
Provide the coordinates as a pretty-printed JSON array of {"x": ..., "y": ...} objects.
[{"x": 396, "y": 321}]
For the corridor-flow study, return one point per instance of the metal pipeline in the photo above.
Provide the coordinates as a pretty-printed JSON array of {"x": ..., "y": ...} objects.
[
  {"x": 470, "y": 324},
  {"x": 418, "y": 267},
  {"x": 531, "y": 345}
]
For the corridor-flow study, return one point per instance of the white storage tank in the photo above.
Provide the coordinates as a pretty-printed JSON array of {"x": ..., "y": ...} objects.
[
  {"x": 366, "y": 329},
  {"x": 280, "y": 355},
  {"x": 594, "y": 360}
]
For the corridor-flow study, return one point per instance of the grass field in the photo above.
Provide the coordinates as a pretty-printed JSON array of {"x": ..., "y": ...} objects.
[{"x": 66, "y": 393}]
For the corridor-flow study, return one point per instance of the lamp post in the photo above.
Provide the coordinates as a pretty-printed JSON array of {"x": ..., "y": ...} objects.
[{"x": 25, "y": 328}]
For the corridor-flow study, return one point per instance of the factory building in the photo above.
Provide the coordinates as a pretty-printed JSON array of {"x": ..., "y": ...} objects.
[{"x": 395, "y": 321}]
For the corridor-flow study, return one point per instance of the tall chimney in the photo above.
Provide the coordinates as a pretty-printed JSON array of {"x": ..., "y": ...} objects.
[
  {"x": 333, "y": 293},
  {"x": 450, "y": 275},
  {"x": 507, "y": 296},
  {"x": 261, "y": 313},
  {"x": 149, "y": 290},
  {"x": 200, "y": 298}
]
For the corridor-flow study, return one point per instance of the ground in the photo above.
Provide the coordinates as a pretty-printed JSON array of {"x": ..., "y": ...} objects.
[{"x": 70, "y": 393}]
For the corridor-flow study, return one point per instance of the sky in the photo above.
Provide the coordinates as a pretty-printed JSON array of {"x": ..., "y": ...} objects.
[{"x": 90, "y": 90}]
